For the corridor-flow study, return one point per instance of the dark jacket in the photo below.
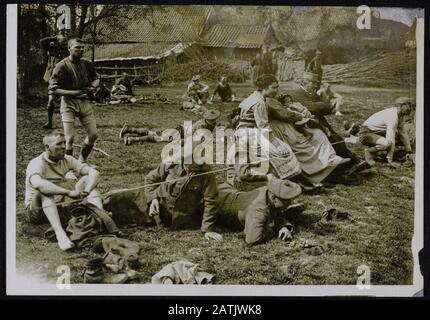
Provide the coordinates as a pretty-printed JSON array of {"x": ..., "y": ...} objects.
[{"x": 186, "y": 202}]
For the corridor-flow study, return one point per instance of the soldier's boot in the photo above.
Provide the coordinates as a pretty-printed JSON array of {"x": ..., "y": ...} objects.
[
  {"x": 123, "y": 130},
  {"x": 85, "y": 152},
  {"x": 51, "y": 109}
]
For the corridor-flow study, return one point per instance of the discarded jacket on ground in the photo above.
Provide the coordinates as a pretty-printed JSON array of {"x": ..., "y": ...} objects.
[
  {"x": 88, "y": 221},
  {"x": 182, "y": 272},
  {"x": 120, "y": 254}
]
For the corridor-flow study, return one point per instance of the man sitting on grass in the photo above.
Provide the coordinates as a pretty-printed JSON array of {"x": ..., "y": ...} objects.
[
  {"x": 46, "y": 186},
  {"x": 379, "y": 131},
  {"x": 224, "y": 91},
  {"x": 197, "y": 91}
]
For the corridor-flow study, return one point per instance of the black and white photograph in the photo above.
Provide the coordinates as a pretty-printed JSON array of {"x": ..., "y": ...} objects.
[{"x": 214, "y": 150}]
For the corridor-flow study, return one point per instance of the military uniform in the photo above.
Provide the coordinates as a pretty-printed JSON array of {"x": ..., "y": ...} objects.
[
  {"x": 251, "y": 211},
  {"x": 184, "y": 202}
]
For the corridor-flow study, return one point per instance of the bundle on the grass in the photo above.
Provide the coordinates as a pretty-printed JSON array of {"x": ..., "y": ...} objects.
[
  {"x": 208, "y": 69},
  {"x": 396, "y": 69}
]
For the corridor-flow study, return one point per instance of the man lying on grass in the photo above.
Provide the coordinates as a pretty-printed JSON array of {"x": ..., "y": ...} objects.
[
  {"x": 259, "y": 212},
  {"x": 46, "y": 185},
  {"x": 184, "y": 200}
]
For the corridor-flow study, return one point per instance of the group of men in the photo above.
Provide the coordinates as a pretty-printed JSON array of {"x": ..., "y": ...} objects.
[{"x": 304, "y": 148}]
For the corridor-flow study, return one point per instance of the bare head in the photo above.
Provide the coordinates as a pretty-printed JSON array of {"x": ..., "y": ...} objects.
[
  {"x": 76, "y": 48},
  {"x": 55, "y": 145},
  {"x": 268, "y": 85}
]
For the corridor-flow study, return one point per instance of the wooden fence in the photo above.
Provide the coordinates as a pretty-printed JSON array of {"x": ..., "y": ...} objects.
[{"x": 147, "y": 74}]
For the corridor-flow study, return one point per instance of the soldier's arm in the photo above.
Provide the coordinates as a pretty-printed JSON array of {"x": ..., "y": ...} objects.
[
  {"x": 255, "y": 222},
  {"x": 155, "y": 176},
  {"x": 47, "y": 187},
  {"x": 211, "y": 202}
]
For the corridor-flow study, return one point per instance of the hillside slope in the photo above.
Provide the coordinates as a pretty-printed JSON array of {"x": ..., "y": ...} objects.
[{"x": 395, "y": 69}]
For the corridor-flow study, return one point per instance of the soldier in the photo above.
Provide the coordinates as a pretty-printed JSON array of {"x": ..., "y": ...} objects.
[
  {"x": 259, "y": 211},
  {"x": 224, "y": 91},
  {"x": 187, "y": 196},
  {"x": 198, "y": 92},
  {"x": 56, "y": 49},
  {"x": 308, "y": 97},
  {"x": 45, "y": 185},
  {"x": 329, "y": 96},
  {"x": 75, "y": 80},
  {"x": 379, "y": 131},
  {"x": 315, "y": 66}
]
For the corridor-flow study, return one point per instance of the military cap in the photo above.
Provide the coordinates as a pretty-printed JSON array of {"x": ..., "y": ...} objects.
[
  {"x": 283, "y": 189},
  {"x": 211, "y": 114}
]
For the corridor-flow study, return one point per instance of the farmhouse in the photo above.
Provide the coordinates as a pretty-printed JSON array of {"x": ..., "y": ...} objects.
[{"x": 145, "y": 40}]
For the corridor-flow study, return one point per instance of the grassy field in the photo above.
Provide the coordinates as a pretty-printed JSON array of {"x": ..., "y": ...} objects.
[{"x": 382, "y": 204}]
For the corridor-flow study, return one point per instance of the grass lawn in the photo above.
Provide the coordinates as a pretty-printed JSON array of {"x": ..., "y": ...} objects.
[{"x": 382, "y": 204}]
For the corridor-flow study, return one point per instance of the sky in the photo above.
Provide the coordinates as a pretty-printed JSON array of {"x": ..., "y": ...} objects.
[{"x": 405, "y": 15}]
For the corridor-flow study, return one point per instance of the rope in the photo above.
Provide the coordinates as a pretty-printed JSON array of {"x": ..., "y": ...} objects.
[
  {"x": 162, "y": 182},
  {"x": 142, "y": 186}
]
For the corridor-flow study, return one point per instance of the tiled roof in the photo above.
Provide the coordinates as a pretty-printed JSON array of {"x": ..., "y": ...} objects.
[
  {"x": 155, "y": 24},
  {"x": 144, "y": 51},
  {"x": 234, "y": 36}
]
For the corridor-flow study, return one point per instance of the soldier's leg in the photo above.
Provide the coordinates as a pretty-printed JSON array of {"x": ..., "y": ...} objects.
[
  {"x": 337, "y": 102},
  {"x": 51, "y": 212},
  {"x": 150, "y": 138},
  {"x": 94, "y": 196},
  {"x": 34, "y": 211},
  {"x": 50, "y": 108},
  {"x": 69, "y": 134},
  {"x": 88, "y": 120}
]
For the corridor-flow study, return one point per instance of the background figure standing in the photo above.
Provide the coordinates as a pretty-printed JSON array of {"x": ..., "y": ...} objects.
[
  {"x": 75, "y": 80},
  {"x": 55, "y": 49},
  {"x": 257, "y": 67},
  {"x": 315, "y": 66},
  {"x": 267, "y": 61}
]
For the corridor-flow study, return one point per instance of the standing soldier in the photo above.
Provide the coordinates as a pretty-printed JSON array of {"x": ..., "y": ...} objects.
[
  {"x": 75, "y": 80},
  {"x": 56, "y": 49}
]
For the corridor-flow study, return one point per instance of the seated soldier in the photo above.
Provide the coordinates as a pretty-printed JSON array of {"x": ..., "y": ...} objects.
[
  {"x": 45, "y": 185},
  {"x": 260, "y": 211},
  {"x": 184, "y": 195},
  {"x": 126, "y": 82},
  {"x": 378, "y": 132},
  {"x": 224, "y": 91},
  {"x": 329, "y": 96},
  {"x": 308, "y": 97},
  {"x": 198, "y": 92}
]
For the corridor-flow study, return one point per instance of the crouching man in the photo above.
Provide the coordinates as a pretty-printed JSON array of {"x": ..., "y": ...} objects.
[
  {"x": 184, "y": 196},
  {"x": 259, "y": 211},
  {"x": 379, "y": 131},
  {"x": 46, "y": 185}
]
